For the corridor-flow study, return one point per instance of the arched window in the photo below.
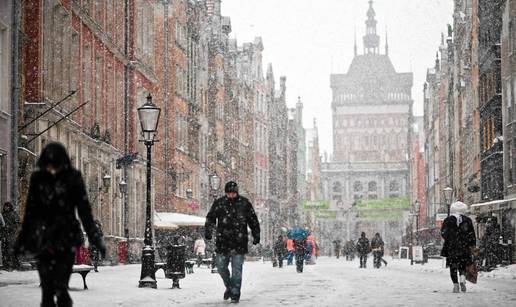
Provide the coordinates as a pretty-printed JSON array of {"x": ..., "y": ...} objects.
[
  {"x": 394, "y": 186},
  {"x": 337, "y": 187},
  {"x": 372, "y": 186},
  {"x": 357, "y": 186}
]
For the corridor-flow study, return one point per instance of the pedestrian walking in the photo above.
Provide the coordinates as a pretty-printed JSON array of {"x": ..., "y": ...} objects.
[
  {"x": 459, "y": 240},
  {"x": 363, "y": 248},
  {"x": 231, "y": 215},
  {"x": 280, "y": 250},
  {"x": 300, "y": 250},
  {"x": 490, "y": 243},
  {"x": 8, "y": 236},
  {"x": 349, "y": 250},
  {"x": 337, "y": 248},
  {"x": 94, "y": 251},
  {"x": 311, "y": 250},
  {"x": 290, "y": 251},
  {"x": 50, "y": 229},
  {"x": 199, "y": 249},
  {"x": 377, "y": 246}
]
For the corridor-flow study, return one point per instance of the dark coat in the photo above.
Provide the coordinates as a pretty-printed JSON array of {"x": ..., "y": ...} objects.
[
  {"x": 231, "y": 218},
  {"x": 377, "y": 244},
  {"x": 280, "y": 246},
  {"x": 12, "y": 222},
  {"x": 300, "y": 247},
  {"x": 458, "y": 240},
  {"x": 363, "y": 246},
  {"x": 50, "y": 223}
]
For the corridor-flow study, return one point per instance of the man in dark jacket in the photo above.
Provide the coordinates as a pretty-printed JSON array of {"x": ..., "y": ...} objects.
[
  {"x": 337, "y": 247},
  {"x": 8, "y": 235},
  {"x": 231, "y": 215},
  {"x": 377, "y": 246},
  {"x": 280, "y": 250},
  {"x": 363, "y": 249}
]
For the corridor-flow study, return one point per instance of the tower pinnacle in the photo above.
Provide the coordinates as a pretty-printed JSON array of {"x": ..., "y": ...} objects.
[{"x": 371, "y": 39}]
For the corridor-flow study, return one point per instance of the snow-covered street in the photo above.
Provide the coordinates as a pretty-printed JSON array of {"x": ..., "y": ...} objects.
[{"x": 330, "y": 282}]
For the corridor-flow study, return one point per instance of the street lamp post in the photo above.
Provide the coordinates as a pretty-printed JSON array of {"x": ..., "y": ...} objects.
[
  {"x": 214, "y": 186},
  {"x": 417, "y": 207},
  {"x": 149, "y": 118},
  {"x": 448, "y": 197},
  {"x": 122, "y": 186},
  {"x": 411, "y": 239}
]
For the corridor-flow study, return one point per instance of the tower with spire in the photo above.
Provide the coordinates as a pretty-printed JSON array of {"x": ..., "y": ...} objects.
[{"x": 370, "y": 110}]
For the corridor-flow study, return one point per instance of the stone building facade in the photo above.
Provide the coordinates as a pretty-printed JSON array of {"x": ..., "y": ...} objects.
[
  {"x": 490, "y": 99},
  {"x": 6, "y": 137},
  {"x": 78, "y": 56},
  {"x": 371, "y": 107}
]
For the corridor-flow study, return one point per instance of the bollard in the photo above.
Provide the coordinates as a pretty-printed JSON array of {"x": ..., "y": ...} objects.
[{"x": 175, "y": 268}]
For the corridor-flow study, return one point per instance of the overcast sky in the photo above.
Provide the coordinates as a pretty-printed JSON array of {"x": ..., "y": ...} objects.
[{"x": 307, "y": 40}]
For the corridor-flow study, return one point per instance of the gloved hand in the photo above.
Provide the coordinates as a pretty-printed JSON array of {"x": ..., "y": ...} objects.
[{"x": 256, "y": 240}]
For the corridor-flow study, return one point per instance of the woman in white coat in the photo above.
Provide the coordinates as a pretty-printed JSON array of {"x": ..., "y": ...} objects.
[{"x": 199, "y": 249}]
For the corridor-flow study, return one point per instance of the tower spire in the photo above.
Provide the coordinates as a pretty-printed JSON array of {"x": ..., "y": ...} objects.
[
  {"x": 355, "y": 46},
  {"x": 371, "y": 39},
  {"x": 386, "y": 42}
]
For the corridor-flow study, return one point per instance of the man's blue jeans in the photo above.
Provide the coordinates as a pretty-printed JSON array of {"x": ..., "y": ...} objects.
[
  {"x": 290, "y": 257},
  {"x": 232, "y": 281}
]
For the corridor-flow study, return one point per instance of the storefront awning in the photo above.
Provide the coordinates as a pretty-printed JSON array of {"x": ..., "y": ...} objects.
[
  {"x": 171, "y": 221},
  {"x": 495, "y": 205}
]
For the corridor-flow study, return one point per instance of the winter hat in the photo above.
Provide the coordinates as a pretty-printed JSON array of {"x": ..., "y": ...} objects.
[
  {"x": 231, "y": 186},
  {"x": 458, "y": 208}
]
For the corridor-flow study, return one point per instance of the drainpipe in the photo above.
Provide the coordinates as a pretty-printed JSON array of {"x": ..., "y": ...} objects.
[
  {"x": 126, "y": 123},
  {"x": 15, "y": 98},
  {"x": 165, "y": 98}
]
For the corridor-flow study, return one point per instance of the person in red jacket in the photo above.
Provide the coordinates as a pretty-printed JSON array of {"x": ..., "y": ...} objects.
[{"x": 290, "y": 251}]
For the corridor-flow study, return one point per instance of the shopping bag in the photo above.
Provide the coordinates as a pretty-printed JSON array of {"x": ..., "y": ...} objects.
[{"x": 472, "y": 272}]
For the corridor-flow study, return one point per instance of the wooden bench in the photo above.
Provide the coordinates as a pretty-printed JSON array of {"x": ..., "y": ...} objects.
[
  {"x": 83, "y": 270},
  {"x": 207, "y": 262}
]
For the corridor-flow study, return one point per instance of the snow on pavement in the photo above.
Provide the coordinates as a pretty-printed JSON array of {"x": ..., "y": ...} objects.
[{"x": 330, "y": 282}]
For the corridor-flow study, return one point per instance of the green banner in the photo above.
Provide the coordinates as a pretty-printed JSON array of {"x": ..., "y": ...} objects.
[
  {"x": 326, "y": 214},
  {"x": 381, "y": 215},
  {"x": 315, "y": 205},
  {"x": 384, "y": 203}
]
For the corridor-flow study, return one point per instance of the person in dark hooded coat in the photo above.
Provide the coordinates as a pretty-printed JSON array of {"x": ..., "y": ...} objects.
[
  {"x": 231, "y": 215},
  {"x": 280, "y": 250},
  {"x": 377, "y": 246},
  {"x": 50, "y": 229},
  {"x": 459, "y": 239},
  {"x": 363, "y": 248}
]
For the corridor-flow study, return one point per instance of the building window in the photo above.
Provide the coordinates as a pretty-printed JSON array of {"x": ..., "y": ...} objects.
[
  {"x": 357, "y": 186},
  {"x": 99, "y": 65},
  {"x": 181, "y": 133},
  {"x": 394, "y": 186},
  {"x": 86, "y": 85},
  {"x": 4, "y": 69},
  {"x": 337, "y": 187},
  {"x": 372, "y": 187}
]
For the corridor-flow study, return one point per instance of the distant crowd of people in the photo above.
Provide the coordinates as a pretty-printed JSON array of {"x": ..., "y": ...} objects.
[{"x": 362, "y": 248}]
